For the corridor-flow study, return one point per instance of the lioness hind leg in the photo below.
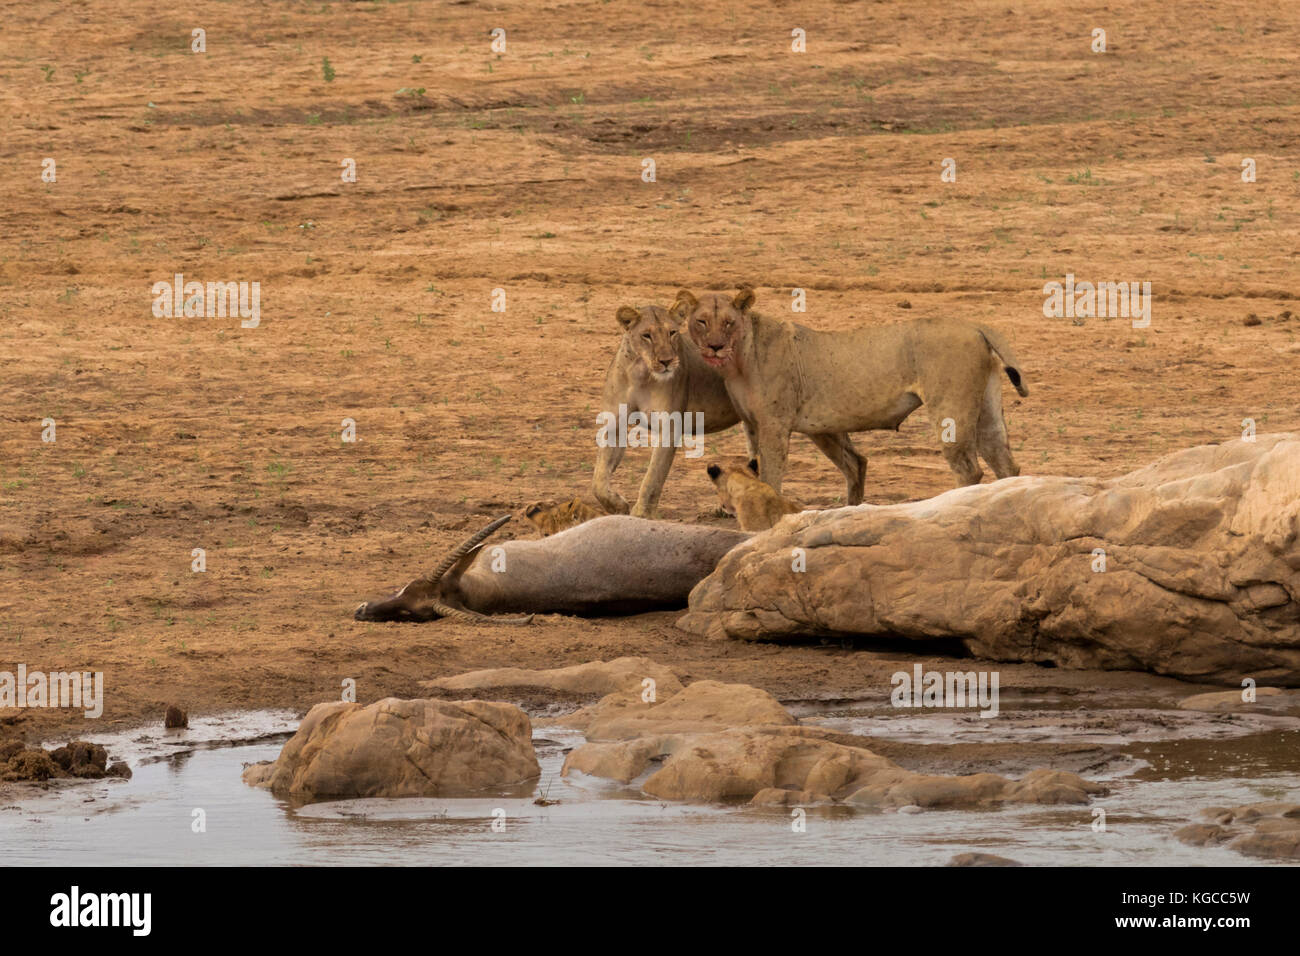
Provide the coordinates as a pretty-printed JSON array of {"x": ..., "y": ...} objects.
[
  {"x": 958, "y": 439},
  {"x": 839, "y": 449},
  {"x": 991, "y": 433}
]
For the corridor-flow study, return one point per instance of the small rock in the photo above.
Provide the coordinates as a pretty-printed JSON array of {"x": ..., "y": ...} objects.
[{"x": 981, "y": 859}]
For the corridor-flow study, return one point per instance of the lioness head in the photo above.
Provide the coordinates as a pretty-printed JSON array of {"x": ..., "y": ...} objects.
[
  {"x": 716, "y": 323},
  {"x": 652, "y": 334},
  {"x": 720, "y": 475}
]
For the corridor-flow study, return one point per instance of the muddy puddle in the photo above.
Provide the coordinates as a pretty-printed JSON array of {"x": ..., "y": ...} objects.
[{"x": 1161, "y": 766}]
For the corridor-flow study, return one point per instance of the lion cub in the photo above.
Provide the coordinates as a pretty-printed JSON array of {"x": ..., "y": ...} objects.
[
  {"x": 752, "y": 501},
  {"x": 552, "y": 517}
]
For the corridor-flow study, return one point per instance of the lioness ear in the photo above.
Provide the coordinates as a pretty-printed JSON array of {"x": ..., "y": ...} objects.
[
  {"x": 627, "y": 315},
  {"x": 753, "y": 466},
  {"x": 714, "y": 471},
  {"x": 532, "y": 509},
  {"x": 684, "y": 305},
  {"x": 744, "y": 298}
]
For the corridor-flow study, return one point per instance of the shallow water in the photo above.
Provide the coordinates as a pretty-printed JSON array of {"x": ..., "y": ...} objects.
[{"x": 149, "y": 819}]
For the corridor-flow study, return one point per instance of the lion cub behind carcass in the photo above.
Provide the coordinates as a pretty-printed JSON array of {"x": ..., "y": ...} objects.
[
  {"x": 744, "y": 495},
  {"x": 552, "y": 517}
]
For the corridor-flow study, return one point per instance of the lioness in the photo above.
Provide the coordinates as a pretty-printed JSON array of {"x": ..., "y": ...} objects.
[
  {"x": 552, "y": 517},
  {"x": 756, "y": 506},
  {"x": 655, "y": 370},
  {"x": 783, "y": 377}
]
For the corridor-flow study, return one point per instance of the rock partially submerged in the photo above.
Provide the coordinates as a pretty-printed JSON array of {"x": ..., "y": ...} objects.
[
  {"x": 1267, "y": 700},
  {"x": 402, "y": 748},
  {"x": 721, "y": 742},
  {"x": 981, "y": 859},
  {"x": 1189, "y": 567},
  {"x": 1270, "y": 831},
  {"x": 704, "y": 705},
  {"x": 813, "y": 765}
]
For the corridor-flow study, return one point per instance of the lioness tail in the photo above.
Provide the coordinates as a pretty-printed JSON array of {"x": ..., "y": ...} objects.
[{"x": 999, "y": 347}]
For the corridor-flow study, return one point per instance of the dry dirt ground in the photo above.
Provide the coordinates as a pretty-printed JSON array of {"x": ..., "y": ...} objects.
[{"x": 522, "y": 171}]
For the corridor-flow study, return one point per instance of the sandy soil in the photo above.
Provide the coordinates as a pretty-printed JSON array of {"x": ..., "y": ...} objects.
[{"x": 522, "y": 171}]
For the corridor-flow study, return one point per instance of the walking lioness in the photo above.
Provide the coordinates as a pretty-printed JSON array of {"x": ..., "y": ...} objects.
[
  {"x": 655, "y": 370},
  {"x": 785, "y": 378}
]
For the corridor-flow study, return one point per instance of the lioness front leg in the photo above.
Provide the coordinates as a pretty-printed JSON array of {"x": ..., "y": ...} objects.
[
  {"x": 751, "y": 438},
  {"x": 607, "y": 459},
  {"x": 773, "y": 447},
  {"x": 647, "y": 501}
]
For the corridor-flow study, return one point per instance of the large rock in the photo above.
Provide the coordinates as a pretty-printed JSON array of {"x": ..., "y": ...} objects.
[
  {"x": 811, "y": 764},
  {"x": 703, "y": 706},
  {"x": 595, "y": 678},
  {"x": 1201, "y": 579},
  {"x": 402, "y": 748}
]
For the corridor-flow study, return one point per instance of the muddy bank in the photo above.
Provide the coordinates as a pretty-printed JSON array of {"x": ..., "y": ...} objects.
[{"x": 196, "y": 433}]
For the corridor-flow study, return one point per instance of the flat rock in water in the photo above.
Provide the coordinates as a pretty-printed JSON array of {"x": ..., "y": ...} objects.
[
  {"x": 1269, "y": 831},
  {"x": 596, "y": 678},
  {"x": 749, "y": 763}
]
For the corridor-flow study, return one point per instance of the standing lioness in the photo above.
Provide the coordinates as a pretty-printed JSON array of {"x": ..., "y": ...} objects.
[
  {"x": 785, "y": 378},
  {"x": 655, "y": 370}
]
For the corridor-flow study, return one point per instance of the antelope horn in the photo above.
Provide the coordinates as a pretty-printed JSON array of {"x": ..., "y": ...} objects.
[
  {"x": 460, "y": 614},
  {"x": 474, "y": 617},
  {"x": 434, "y": 576}
]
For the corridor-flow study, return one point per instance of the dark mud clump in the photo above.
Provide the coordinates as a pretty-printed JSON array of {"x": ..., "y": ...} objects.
[{"x": 77, "y": 759}]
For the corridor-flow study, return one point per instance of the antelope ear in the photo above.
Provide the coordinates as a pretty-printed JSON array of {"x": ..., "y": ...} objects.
[
  {"x": 714, "y": 472},
  {"x": 626, "y": 316},
  {"x": 744, "y": 298},
  {"x": 753, "y": 466},
  {"x": 684, "y": 305}
]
